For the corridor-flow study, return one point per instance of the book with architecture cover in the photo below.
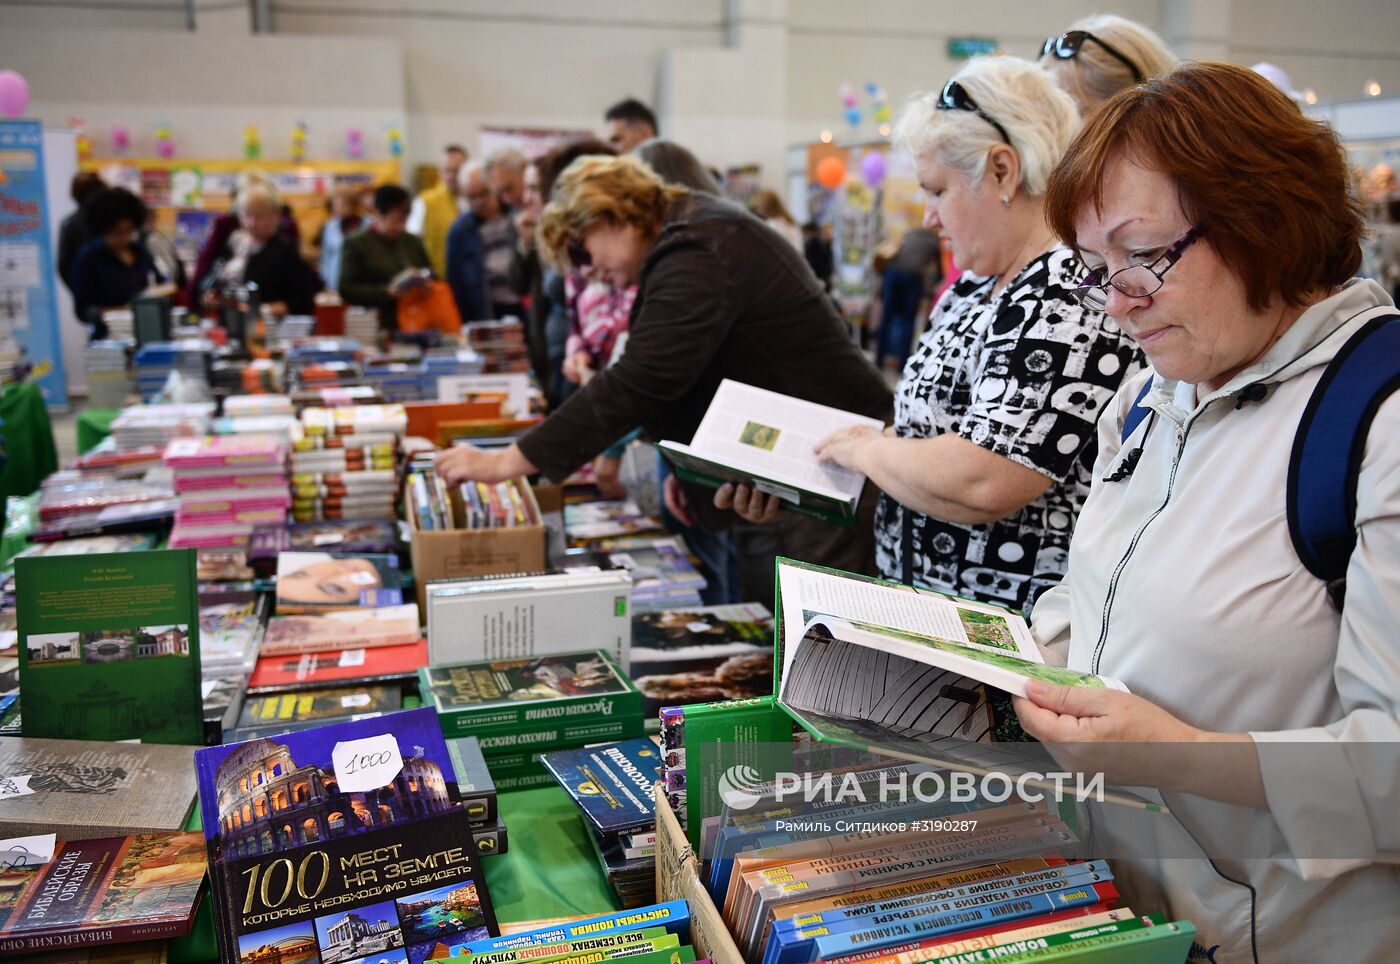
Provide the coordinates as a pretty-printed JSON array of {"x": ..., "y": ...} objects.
[
  {"x": 109, "y": 646},
  {"x": 342, "y": 843}
]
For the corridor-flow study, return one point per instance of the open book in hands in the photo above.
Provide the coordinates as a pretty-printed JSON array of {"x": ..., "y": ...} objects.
[
  {"x": 409, "y": 279},
  {"x": 759, "y": 438}
]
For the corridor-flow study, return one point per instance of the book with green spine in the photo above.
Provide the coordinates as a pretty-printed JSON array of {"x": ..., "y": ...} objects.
[{"x": 532, "y": 702}]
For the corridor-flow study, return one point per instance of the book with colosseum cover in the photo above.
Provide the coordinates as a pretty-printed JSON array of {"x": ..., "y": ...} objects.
[
  {"x": 109, "y": 646},
  {"x": 84, "y": 893},
  {"x": 88, "y": 788},
  {"x": 341, "y": 843}
]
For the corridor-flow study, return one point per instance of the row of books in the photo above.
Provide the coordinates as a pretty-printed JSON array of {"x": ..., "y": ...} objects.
[{"x": 432, "y": 506}]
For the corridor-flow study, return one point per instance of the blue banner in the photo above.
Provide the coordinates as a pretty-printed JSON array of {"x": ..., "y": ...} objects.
[{"x": 26, "y": 255}]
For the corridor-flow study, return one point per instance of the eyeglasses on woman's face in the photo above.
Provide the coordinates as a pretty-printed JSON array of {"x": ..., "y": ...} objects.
[
  {"x": 1135, "y": 280},
  {"x": 1068, "y": 44},
  {"x": 956, "y": 97}
]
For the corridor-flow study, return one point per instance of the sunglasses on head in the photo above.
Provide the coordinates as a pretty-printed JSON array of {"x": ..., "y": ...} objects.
[
  {"x": 1068, "y": 44},
  {"x": 956, "y": 97},
  {"x": 578, "y": 254}
]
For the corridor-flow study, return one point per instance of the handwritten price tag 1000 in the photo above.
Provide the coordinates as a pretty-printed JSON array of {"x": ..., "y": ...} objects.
[{"x": 366, "y": 764}]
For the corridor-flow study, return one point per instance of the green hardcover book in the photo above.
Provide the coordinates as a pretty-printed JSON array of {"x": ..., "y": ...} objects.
[
  {"x": 731, "y": 733},
  {"x": 1106, "y": 944},
  {"x": 530, "y": 695},
  {"x": 109, "y": 646},
  {"x": 560, "y": 736}
]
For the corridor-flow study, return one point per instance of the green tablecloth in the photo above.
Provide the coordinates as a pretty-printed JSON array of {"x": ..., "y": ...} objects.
[
  {"x": 30, "y": 453},
  {"x": 548, "y": 870},
  {"x": 93, "y": 425}
]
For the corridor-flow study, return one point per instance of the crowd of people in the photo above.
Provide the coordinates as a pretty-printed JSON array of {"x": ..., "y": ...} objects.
[{"x": 1097, "y": 426}]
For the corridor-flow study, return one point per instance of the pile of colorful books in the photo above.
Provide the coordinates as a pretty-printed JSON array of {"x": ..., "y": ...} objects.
[
  {"x": 593, "y": 523},
  {"x": 227, "y": 485},
  {"x": 613, "y": 785},
  {"x": 142, "y": 426},
  {"x": 344, "y": 462}
]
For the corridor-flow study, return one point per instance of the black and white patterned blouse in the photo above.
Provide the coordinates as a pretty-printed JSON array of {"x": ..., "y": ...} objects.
[{"x": 1024, "y": 373}]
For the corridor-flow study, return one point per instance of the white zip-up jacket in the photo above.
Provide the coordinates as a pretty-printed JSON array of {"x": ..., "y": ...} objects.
[{"x": 1184, "y": 583}]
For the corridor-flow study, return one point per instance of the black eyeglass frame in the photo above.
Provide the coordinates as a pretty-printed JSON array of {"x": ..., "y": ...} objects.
[
  {"x": 956, "y": 97},
  {"x": 1091, "y": 291},
  {"x": 578, "y": 255},
  {"x": 1068, "y": 44}
]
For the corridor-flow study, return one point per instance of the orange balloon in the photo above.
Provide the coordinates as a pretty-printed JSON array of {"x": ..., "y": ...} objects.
[{"x": 831, "y": 172}]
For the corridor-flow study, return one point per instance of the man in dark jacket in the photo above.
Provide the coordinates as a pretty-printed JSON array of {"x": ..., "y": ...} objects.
[{"x": 480, "y": 248}]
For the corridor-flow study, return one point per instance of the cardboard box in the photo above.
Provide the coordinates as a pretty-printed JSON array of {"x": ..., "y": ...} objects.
[
  {"x": 454, "y": 553},
  {"x": 678, "y": 876}
]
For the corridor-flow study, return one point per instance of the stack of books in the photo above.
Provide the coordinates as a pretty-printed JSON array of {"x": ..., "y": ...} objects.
[
  {"x": 478, "y": 792},
  {"x": 395, "y": 381},
  {"x": 613, "y": 786},
  {"x": 226, "y": 486},
  {"x": 268, "y": 414},
  {"x": 289, "y": 328},
  {"x": 445, "y": 362},
  {"x": 345, "y": 461},
  {"x": 362, "y": 324},
  {"x": 328, "y": 535},
  {"x": 518, "y": 708},
  {"x": 156, "y": 360},
  {"x": 90, "y": 893},
  {"x": 501, "y": 344},
  {"x": 75, "y": 503},
  {"x": 663, "y": 577},
  {"x": 598, "y": 523},
  {"x": 654, "y": 934},
  {"x": 323, "y": 363},
  {"x": 144, "y": 426},
  {"x": 104, "y": 367}
]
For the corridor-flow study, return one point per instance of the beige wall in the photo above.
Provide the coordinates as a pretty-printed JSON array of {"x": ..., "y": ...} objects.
[{"x": 443, "y": 68}]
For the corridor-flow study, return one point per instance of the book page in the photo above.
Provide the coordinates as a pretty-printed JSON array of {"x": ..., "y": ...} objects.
[
  {"x": 775, "y": 435},
  {"x": 806, "y": 592}
]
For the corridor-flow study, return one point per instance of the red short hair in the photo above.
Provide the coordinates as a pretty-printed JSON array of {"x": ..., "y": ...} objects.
[{"x": 1269, "y": 187}]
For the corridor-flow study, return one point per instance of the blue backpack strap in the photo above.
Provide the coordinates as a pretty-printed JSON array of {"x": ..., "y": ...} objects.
[
  {"x": 1329, "y": 446},
  {"x": 1137, "y": 413}
]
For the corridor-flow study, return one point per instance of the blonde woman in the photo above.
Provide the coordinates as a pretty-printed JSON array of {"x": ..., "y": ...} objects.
[
  {"x": 718, "y": 296},
  {"x": 1100, "y": 55},
  {"x": 992, "y": 451}
]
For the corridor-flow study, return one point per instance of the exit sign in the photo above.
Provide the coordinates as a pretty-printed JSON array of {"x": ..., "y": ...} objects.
[{"x": 961, "y": 48}]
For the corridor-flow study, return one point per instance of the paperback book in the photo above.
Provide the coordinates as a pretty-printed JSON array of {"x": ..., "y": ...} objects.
[
  {"x": 394, "y": 665},
  {"x": 327, "y": 582},
  {"x": 774, "y": 455},
  {"x": 353, "y": 629},
  {"x": 501, "y": 617},
  {"x": 342, "y": 843},
  {"x": 367, "y": 536}
]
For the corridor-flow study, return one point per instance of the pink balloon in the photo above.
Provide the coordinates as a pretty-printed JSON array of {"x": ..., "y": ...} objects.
[{"x": 14, "y": 94}]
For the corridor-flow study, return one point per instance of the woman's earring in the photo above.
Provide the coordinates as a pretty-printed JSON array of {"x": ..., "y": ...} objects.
[{"x": 1005, "y": 201}]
